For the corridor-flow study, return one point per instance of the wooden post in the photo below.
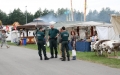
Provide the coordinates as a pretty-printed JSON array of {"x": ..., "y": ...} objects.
[
  {"x": 27, "y": 32},
  {"x": 71, "y": 12},
  {"x": 92, "y": 31},
  {"x": 85, "y": 10}
]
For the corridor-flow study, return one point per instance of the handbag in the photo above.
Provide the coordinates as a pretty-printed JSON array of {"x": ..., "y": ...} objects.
[
  {"x": 48, "y": 44},
  {"x": 73, "y": 52}
]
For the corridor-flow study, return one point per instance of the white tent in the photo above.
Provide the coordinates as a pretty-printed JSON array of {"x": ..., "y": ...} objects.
[
  {"x": 106, "y": 33},
  {"x": 115, "y": 20}
]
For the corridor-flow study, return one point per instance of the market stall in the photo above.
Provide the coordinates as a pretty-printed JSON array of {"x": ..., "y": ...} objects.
[
  {"x": 27, "y": 30},
  {"x": 89, "y": 32}
]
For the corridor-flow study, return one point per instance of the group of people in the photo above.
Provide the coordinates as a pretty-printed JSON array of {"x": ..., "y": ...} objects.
[{"x": 53, "y": 35}]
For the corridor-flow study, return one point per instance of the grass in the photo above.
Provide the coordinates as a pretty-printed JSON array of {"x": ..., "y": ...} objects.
[
  {"x": 90, "y": 56},
  {"x": 87, "y": 56}
]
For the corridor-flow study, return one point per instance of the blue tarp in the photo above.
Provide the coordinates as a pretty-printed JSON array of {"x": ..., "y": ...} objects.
[{"x": 81, "y": 46}]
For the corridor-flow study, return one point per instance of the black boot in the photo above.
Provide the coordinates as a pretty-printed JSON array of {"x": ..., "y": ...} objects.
[
  {"x": 52, "y": 56},
  {"x": 40, "y": 58},
  {"x": 63, "y": 59},
  {"x": 68, "y": 58},
  {"x": 46, "y": 58},
  {"x": 55, "y": 56}
]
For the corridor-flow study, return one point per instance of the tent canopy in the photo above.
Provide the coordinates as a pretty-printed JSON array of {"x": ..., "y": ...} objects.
[
  {"x": 33, "y": 25},
  {"x": 66, "y": 24},
  {"x": 115, "y": 20},
  {"x": 78, "y": 23},
  {"x": 93, "y": 23}
]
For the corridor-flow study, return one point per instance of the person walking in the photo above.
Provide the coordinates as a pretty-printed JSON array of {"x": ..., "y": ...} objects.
[
  {"x": 40, "y": 42},
  {"x": 3, "y": 39},
  {"x": 64, "y": 36},
  {"x": 52, "y": 36}
]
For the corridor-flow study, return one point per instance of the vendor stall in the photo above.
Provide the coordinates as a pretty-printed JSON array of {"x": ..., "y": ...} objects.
[
  {"x": 89, "y": 32},
  {"x": 27, "y": 30}
]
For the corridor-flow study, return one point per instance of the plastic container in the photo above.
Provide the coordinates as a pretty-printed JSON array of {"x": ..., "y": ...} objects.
[{"x": 24, "y": 41}]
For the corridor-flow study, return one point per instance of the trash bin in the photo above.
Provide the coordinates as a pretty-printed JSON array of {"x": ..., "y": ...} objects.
[{"x": 24, "y": 41}]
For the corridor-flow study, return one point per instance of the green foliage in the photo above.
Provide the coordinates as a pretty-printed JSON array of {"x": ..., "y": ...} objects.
[
  {"x": 30, "y": 17},
  {"x": 45, "y": 12},
  {"x": 16, "y": 16},
  {"x": 90, "y": 56},
  {"x": 38, "y": 13},
  {"x": 3, "y": 17},
  {"x": 60, "y": 15},
  {"x": 104, "y": 14}
]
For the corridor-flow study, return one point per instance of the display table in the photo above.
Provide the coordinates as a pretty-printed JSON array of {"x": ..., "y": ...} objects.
[
  {"x": 82, "y": 46},
  {"x": 29, "y": 39}
]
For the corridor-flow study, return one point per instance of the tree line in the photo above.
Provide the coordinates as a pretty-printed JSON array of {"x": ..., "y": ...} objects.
[{"x": 61, "y": 14}]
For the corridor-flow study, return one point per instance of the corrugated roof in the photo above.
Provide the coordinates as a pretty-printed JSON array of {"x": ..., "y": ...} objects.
[
  {"x": 79, "y": 23},
  {"x": 66, "y": 24}
]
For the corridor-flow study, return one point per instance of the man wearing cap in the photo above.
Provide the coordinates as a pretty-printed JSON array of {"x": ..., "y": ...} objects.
[
  {"x": 64, "y": 36},
  {"x": 53, "y": 34},
  {"x": 40, "y": 42}
]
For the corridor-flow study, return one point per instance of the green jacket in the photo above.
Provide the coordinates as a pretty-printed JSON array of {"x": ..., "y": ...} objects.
[
  {"x": 40, "y": 36},
  {"x": 53, "y": 33},
  {"x": 64, "y": 36}
]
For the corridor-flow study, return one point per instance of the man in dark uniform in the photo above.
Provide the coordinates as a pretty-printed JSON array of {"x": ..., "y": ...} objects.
[
  {"x": 64, "y": 36},
  {"x": 53, "y": 34},
  {"x": 40, "y": 42}
]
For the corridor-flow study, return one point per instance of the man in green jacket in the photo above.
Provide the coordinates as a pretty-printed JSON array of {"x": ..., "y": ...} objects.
[
  {"x": 64, "y": 36},
  {"x": 40, "y": 42},
  {"x": 53, "y": 34}
]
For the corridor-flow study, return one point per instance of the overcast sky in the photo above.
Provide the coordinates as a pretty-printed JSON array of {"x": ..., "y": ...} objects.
[{"x": 34, "y": 5}]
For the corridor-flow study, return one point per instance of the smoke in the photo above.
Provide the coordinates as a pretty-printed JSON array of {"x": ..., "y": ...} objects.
[
  {"x": 49, "y": 17},
  {"x": 61, "y": 18},
  {"x": 52, "y": 17}
]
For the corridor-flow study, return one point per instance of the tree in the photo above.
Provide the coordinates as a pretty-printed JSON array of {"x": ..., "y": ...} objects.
[
  {"x": 75, "y": 15},
  {"x": 45, "y": 12},
  {"x": 104, "y": 15},
  {"x": 38, "y": 13},
  {"x": 79, "y": 16},
  {"x": 17, "y": 16},
  {"x": 92, "y": 15},
  {"x": 30, "y": 17},
  {"x": 61, "y": 14},
  {"x": 3, "y": 17}
]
